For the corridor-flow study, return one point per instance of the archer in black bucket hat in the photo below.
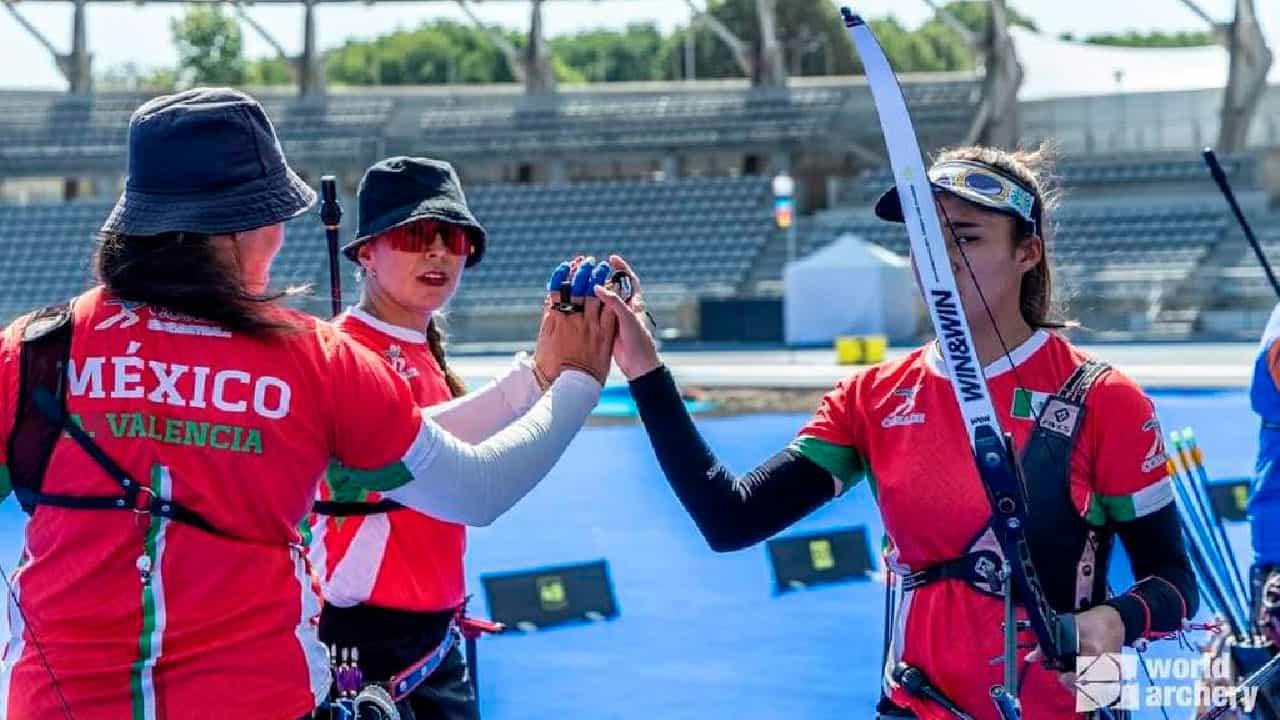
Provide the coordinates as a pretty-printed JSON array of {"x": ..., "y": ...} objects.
[
  {"x": 400, "y": 190},
  {"x": 205, "y": 161}
]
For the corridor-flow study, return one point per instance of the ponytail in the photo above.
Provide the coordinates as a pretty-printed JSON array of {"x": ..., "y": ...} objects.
[{"x": 436, "y": 342}]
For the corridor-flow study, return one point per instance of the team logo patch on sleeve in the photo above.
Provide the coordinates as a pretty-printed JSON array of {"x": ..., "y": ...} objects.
[
  {"x": 1155, "y": 456},
  {"x": 1060, "y": 417},
  {"x": 905, "y": 413}
]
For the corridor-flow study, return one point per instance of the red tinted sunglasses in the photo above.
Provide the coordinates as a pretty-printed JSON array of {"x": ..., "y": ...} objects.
[{"x": 420, "y": 236}]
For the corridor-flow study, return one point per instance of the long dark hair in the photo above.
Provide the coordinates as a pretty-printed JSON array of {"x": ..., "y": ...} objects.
[
  {"x": 1032, "y": 168},
  {"x": 182, "y": 273}
]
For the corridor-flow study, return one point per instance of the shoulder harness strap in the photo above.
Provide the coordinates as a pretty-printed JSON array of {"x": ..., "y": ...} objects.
[
  {"x": 45, "y": 351},
  {"x": 43, "y": 418},
  {"x": 981, "y": 563}
]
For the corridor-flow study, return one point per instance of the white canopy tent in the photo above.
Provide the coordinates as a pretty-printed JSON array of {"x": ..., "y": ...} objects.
[
  {"x": 1054, "y": 68},
  {"x": 850, "y": 287}
]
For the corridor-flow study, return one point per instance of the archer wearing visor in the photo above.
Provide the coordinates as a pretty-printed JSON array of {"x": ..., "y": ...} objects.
[{"x": 1094, "y": 461}]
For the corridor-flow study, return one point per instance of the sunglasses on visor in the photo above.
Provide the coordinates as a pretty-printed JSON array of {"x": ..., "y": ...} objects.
[
  {"x": 420, "y": 236},
  {"x": 985, "y": 186}
]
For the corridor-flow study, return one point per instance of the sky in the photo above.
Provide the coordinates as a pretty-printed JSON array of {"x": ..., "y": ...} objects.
[{"x": 123, "y": 32}]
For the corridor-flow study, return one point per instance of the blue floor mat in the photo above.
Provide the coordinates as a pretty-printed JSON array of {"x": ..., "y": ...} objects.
[{"x": 703, "y": 635}]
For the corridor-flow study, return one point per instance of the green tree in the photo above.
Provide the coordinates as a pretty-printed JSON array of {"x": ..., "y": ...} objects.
[
  {"x": 435, "y": 53},
  {"x": 973, "y": 14},
  {"x": 935, "y": 46},
  {"x": 815, "y": 43},
  {"x": 812, "y": 36},
  {"x": 1154, "y": 39},
  {"x": 210, "y": 47},
  {"x": 811, "y": 33},
  {"x": 130, "y": 76},
  {"x": 566, "y": 73},
  {"x": 269, "y": 71},
  {"x": 612, "y": 56}
]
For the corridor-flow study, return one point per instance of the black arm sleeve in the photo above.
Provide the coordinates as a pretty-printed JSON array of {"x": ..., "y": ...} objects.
[
  {"x": 732, "y": 513},
  {"x": 1166, "y": 590}
]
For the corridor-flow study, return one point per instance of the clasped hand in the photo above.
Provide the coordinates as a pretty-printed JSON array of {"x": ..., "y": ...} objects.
[{"x": 594, "y": 311}]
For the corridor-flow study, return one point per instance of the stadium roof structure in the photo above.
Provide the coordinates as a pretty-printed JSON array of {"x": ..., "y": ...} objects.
[
  {"x": 264, "y": 2},
  {"x": 1105, "y": 70}
]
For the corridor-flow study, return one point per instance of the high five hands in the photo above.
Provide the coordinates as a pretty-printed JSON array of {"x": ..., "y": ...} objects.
[
  {"x": 601, "y": 297},
  {"x": 577, "y": 332}
]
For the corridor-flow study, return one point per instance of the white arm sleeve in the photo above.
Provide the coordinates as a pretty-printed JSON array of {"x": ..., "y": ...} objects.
[
  {"x": 474, "y": 484},
  {"x": 476, "y": 416}
]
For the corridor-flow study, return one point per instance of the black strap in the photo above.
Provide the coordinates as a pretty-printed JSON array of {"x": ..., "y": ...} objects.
[
  {"x": 337, "y": 508},
  {"x": 46, "y": 350},
  {"x": 54, "y": 411},
  {"x": 152, "y": 505},
  {"x": 977, "y": 567},
  {"x": 980, "y": 568},
  {"x": 1082, "y": 380}
]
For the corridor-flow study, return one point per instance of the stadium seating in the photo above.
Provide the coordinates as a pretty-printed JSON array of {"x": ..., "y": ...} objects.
[
  {"x": 1160, "y": 171},
  {"x": 1140, "y": 233},
  {"x": 669, "y": 230},
  {"x": 580, "y": 121},
  {"x": 1160, "y": 168},
  {"x": 54, "y": 133},
  {"x": 1113, "y": 252},
  {"x": 1242, "y": 283},
  {"x": 58, "y": 134},
  {"x": 682, "y": 234},
  {"x": 1135, "y": 229},
  {"x": 46, "y": 253}
]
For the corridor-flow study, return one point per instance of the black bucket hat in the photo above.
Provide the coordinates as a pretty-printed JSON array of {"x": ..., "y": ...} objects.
[
  {"x": 207, "y": 161},
  {"x": 400, "y": 190}
]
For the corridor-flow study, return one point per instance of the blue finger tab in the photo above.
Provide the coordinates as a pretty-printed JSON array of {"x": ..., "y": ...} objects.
[
  {"x": 558, "y": 277},
  {"x": 600, "y": 276},
  {"x": 582, "y": 278}
]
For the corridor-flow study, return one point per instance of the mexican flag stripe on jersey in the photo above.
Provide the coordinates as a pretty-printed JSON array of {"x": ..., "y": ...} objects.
[{"x": 1027, "y": 404}]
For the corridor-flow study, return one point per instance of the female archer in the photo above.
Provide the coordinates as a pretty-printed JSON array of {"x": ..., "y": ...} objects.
[
  {"x": 1264, "y": 498},
  {"x": 1089, "y": 444},
  {"x": 393, "y": 578},
  {"x": 167, "y": 431}
]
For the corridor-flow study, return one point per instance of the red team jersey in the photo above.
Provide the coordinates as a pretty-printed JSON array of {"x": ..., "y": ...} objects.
[
  {"x": 238, "y": 429},
  {"x": 403, "y": 559},
  {"x": 898, "y": 425}
]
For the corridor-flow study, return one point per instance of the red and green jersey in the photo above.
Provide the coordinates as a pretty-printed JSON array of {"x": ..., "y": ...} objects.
[
  {"x": 402, "y": 559},
  {"x": 238, "y": 429},
  {"x": 897, "y": 424}
]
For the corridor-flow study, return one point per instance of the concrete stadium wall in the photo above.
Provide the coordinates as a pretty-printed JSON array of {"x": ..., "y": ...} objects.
[{"x": 1141, "y": 122}]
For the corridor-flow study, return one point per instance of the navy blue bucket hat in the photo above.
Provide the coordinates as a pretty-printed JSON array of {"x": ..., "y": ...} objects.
[
  {"x": 400, "y": 190},
  {"x": 206, "y": 161}
]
